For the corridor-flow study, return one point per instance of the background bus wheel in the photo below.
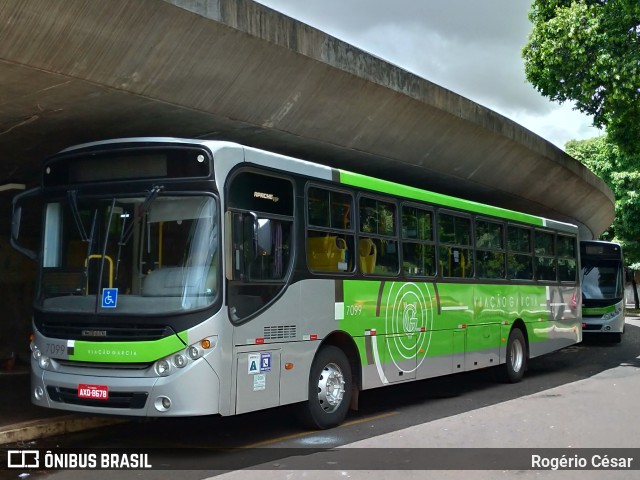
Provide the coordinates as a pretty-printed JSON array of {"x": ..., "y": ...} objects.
[
  {"x": 513, "y": 369},
  {"x": 329, "y": 390}
]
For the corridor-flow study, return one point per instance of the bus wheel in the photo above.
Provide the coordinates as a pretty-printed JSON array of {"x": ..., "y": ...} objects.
[
  {"x": 516, "y": 362},
  {"x": 329, "y": 390}
]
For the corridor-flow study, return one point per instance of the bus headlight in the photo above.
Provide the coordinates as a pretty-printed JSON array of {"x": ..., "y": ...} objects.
[
  {"x": 611, "y": 315},
  {"x": 43, "y": 361},
  {"x": 193, "y": 351},
  {"x": 162, "y": 368},
  {"x": 179, "y": 360}
]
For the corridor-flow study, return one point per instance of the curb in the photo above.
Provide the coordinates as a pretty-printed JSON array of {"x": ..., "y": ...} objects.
[{"x": 35, "y": 429}]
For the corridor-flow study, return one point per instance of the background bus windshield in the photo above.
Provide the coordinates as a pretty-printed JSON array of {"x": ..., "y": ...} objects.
[{"x": 601, "y": 279}]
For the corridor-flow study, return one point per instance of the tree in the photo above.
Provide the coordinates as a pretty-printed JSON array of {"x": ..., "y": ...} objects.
[
  {"x": 619, "y": 171},
  {"x": 588, "y": 52}
]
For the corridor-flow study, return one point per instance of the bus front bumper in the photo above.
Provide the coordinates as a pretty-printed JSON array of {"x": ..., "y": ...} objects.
[
  {"x": 194, "y": 390},
  {"x": 602, "y": 325}
]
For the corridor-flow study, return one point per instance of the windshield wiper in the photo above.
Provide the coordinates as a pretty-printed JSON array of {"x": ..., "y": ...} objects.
[
  {"x": 103, "y": 256},
  {"x": 89, "y": 240},
  {"x": 72, "y": 195},
  {"x": 144, "y": 209}
]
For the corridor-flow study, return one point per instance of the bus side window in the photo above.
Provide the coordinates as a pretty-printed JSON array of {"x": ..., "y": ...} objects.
[
  {"x": 455, "y": 256},
  {"x": 378, "y": 243},
  {"x": 545, "y": 256},
  {"x": 266, "y": 249},
  {"x": 567, "y": 264},
  {"x": 418, "y": 247},
  {"x": 490, "y": 258},
  {"x": 330, "y": 239},
  {"x": 259, "y": 251},
  {"x": 275, "y": 258},
  {"x": 519, "y": 258}
]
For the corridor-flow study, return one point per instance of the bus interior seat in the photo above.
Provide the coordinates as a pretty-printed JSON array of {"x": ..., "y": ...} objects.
[
  {"x": 326, "y": 253},
  {"x": 367, "y": 255},
  {"x": 172, "y": 281}
]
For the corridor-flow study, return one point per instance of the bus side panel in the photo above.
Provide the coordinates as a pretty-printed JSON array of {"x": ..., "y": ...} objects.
[
  {"x": 497, "y": 308},
  {"x": 259, "y": 375},
  {"x": 400, "y": 331},
  {"x": 550, "y": 315},
  {"x": 483, "y": 346},
  {"x": 554, "y": 322},
  {"x": 359, "y": 314},
  {"x": 294, "y": 326},
  {"x": 443, "y": 341},
  {"x": 375, "y": 349},
  {"x": 455, "y": 314}
]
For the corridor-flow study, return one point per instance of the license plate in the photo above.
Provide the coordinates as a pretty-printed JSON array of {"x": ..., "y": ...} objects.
[{"x": 93, "y": 392}]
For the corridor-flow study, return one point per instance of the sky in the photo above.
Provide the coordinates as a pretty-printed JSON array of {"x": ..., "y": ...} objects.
[{"x": 472, "y": 47}]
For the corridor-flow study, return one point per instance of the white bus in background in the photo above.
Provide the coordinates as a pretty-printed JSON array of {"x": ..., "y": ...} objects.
[{"x": 603, "y": 302}]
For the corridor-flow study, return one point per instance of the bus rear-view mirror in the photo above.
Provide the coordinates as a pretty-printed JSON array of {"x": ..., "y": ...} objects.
[{"x": 19, "y": 202}]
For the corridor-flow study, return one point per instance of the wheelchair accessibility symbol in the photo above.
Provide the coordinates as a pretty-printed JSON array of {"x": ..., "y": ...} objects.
[{"x": 109, "y": 297}]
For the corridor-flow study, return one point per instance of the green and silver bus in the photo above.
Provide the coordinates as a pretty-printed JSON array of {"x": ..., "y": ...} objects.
[
  {"x": 603, "y": 302},
  {"x": 186, "y": 277}
]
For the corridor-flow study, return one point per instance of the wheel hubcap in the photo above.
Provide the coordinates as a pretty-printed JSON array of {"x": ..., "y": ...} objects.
[
  {"x": 331, "y": 388},
  {"x": 517, "y": 356}
]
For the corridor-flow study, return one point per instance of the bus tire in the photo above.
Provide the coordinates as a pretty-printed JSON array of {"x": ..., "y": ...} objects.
[
  {"x": 516, "y": 361},
  {"x": 330, "y": 383},
  {"x": 616, "y": 337}
]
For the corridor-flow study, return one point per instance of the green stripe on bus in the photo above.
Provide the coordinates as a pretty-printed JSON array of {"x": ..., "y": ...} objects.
[
  {"x": 384, "y": 186},
  {"x": 127, "y": 352},
  {"x": 597, "y": 311}
]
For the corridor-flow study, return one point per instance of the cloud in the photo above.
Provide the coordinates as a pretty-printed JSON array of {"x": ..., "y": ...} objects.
[
  {"x": 475, "y": 70},
  {"x": 472, "y": 48},
  {"x": 560, "y": 125}
]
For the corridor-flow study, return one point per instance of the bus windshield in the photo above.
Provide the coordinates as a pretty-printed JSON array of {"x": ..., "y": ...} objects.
[
  {"x": 129, "y": 255},
  {"x": 601, "y": 279}
]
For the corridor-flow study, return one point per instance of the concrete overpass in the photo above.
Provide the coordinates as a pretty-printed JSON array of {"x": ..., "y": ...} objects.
[{"x": 73, "y": 71}]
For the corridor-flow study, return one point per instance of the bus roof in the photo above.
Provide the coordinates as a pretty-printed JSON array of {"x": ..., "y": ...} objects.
[
  {"x": 384, "y": 186},
  {"x": 348, "y": 178}
]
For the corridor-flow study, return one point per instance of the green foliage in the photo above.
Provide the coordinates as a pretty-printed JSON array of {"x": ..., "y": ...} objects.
[
  {"x": 620, "y": 172},
  {"x": 588, "y": 52}
]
